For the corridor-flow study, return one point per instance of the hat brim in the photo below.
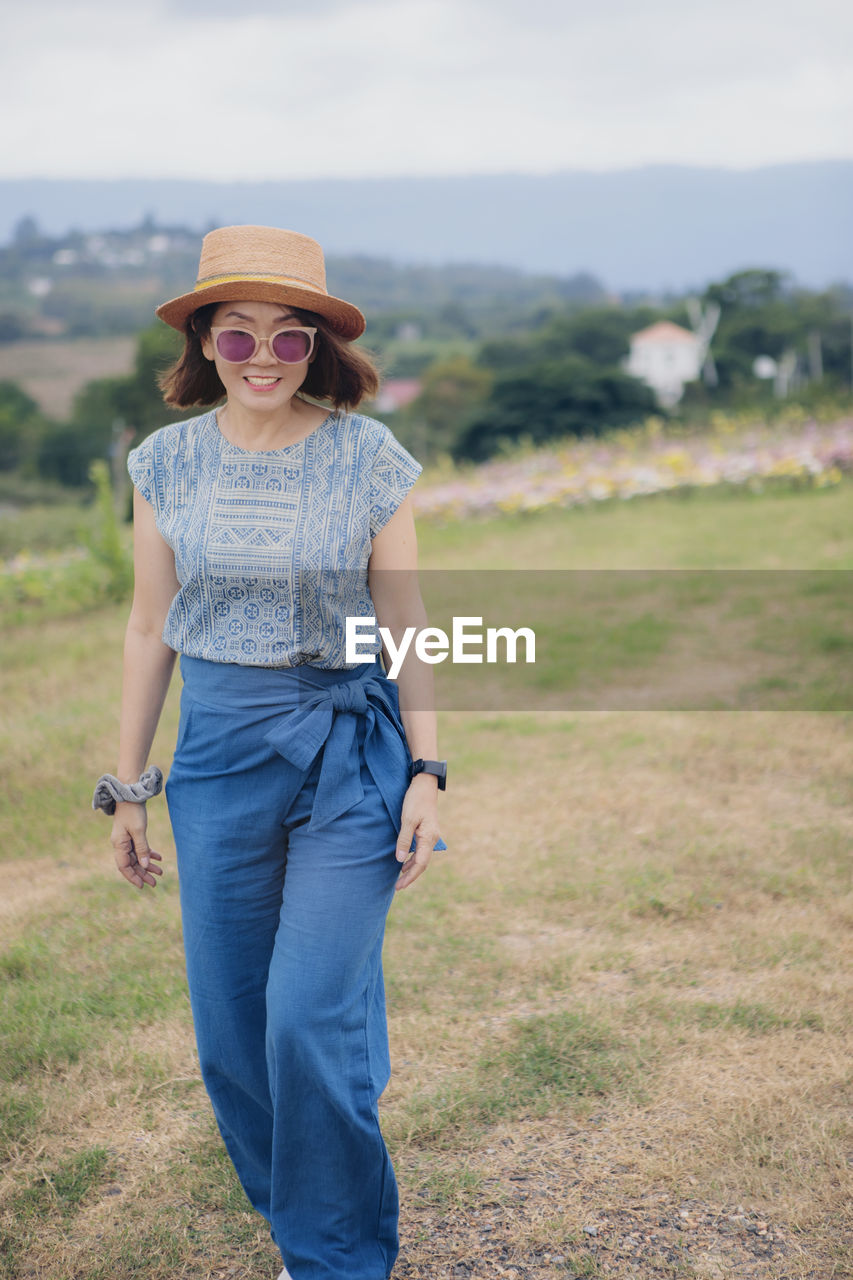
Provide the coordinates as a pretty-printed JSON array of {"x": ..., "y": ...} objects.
[{"x": 342, "y": 316}]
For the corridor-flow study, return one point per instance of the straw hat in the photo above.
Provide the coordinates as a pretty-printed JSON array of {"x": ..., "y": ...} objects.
[{"x": 263, "y": 264}]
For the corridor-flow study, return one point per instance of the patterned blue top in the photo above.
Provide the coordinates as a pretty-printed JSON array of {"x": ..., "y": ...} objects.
[{"x": 271, "y": 548}]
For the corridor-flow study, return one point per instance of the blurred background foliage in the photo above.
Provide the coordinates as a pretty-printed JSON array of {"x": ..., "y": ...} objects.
[{"x": 490, "y": 356}]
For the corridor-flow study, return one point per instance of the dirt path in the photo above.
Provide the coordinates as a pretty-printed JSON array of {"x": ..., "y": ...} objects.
[{"x": 552, "y": 1205}]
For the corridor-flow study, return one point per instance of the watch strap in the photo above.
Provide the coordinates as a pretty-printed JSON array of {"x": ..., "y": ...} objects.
[{"x": 436, "y": 767}]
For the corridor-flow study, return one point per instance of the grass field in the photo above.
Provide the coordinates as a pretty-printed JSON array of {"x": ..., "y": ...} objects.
[{"x": 619, "y": 1005}]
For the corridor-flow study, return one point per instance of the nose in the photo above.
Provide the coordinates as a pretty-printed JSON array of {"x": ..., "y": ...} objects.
[{"x": 264, "y": 355}]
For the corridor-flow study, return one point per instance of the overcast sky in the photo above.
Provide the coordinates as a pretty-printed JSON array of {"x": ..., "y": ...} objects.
[{"x": 274, "y": 89}]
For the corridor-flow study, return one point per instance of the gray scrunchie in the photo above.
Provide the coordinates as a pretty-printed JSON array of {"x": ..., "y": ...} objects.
[{"x": 108, "y": 789}]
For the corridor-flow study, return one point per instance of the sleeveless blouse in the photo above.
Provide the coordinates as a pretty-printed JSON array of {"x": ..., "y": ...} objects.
[{"x": 271, "y": 548}]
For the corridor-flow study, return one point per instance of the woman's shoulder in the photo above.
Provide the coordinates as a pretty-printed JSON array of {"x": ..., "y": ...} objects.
[
  {"x": 369, "y": 438},
  {"x": 165, "y": 454},
  {"x": 385, "y": 469},
  {"x": 361, "y": 427},
  {"x": 174, "y": 436}
]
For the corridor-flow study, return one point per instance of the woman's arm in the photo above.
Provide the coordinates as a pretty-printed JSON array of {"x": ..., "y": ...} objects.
[
  {"x": 393, "y": 582},
  {"x": 148, "y": 665}
]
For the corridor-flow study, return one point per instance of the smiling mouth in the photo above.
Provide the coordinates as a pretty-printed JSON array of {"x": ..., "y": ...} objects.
[{"x": 262, "y": 382}]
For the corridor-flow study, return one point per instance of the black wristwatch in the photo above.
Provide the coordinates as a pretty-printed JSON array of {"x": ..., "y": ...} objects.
[{"x": 438, "y": 767}]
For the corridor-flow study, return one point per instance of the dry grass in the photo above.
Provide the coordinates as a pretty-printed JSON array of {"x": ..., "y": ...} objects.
[
  {"x": 685, "y": 897},
  {"x": 678, "y": 879},
  {"x": 619, "y": 1005}
]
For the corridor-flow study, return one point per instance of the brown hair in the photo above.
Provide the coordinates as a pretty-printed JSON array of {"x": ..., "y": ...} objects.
[{"x": 340, "y": 372}]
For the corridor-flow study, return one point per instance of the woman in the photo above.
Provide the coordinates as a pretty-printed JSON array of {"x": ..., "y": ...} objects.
[{"x": 300, "y": 781}]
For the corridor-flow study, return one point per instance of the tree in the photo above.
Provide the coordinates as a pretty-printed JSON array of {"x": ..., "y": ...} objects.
[
  {"x": 157, "y": 347},
  {"x": 600, "y": 334},
  {"x": 762, "y": 314},
  {"x": 26, "y": 233},
  {"x": 68, "y": 449},
  {"x": 451, "y": 390},
  {"x": 755, "y": 287},
  {"x": 517, "y": 351},
  {"x": 12, "y": 327},
  {"x": 21, "y": 426},
  {"x": 552, "y": 399},
  {"x": 99, "y": 408}
]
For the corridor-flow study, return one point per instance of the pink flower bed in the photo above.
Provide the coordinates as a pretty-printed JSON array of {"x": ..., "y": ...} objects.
[{"x": 627, "y": 464}]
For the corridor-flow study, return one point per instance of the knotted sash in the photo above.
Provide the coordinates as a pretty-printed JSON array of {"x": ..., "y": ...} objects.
[{"x": 320, "y": 709}]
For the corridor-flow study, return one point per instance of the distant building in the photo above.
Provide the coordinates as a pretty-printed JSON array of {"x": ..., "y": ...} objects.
[
  {"x": 665, "y": 357},
  {"x": 40, "y": 286},
  {"x": 396, "y": 393}
]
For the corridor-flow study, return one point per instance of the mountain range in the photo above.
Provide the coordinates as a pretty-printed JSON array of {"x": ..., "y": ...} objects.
[{"x": 657, "y": 228}]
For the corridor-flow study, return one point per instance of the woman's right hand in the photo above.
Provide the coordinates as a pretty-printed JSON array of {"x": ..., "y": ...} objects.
[{"x": 134, "y": 859}]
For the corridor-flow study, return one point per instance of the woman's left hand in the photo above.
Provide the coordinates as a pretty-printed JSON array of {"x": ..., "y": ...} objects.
[{"x": 419, "y": 819}]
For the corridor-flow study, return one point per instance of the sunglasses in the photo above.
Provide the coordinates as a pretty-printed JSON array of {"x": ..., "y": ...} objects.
[{"x": 238, "y": 346}]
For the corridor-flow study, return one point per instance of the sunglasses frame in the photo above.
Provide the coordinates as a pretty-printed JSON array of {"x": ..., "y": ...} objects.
[{"x": 215, "y": 331}]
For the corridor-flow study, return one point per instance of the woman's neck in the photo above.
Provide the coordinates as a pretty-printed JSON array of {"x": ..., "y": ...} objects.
[{"x": 260, "y": 432}]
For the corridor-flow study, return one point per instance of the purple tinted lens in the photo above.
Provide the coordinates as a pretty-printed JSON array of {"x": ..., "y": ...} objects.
[
  {"x": 235, "y": 345},
  {"x": 291, "y": 346}
]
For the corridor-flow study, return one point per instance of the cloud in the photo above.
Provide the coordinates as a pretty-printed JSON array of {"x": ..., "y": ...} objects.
[
  {"x": 239, "y": 10},
  {"x": 273, "y": 89}
]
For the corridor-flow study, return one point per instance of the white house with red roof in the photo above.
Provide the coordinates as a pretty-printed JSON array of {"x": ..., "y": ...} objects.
[{"x": 665, "y": 356}]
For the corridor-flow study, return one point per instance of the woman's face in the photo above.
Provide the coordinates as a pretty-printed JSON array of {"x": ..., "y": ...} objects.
[{"x": 263, "y": 384}]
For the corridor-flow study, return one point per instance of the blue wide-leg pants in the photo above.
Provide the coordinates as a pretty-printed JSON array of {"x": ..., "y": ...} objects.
[{"x": 283, "y": 797}]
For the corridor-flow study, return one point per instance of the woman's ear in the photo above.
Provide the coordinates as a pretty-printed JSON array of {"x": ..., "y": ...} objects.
[{"x": 207, "y": 347}]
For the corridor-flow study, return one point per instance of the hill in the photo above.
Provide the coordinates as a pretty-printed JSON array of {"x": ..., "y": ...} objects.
[{"x": 652, "y": 228}]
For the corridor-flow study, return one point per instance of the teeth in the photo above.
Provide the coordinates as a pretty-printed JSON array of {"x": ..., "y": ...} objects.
[{"x": 261, "y": 382}]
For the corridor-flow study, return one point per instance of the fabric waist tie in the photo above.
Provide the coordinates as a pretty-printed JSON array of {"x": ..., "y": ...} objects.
[{"x": 320, "y": 706}]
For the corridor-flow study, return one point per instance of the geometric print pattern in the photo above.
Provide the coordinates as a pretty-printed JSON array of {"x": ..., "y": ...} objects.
[{"x": 271, "y": 548}]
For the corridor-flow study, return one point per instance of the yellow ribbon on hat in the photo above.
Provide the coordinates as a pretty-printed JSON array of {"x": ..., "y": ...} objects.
[{"x": 252, "y": 276}]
